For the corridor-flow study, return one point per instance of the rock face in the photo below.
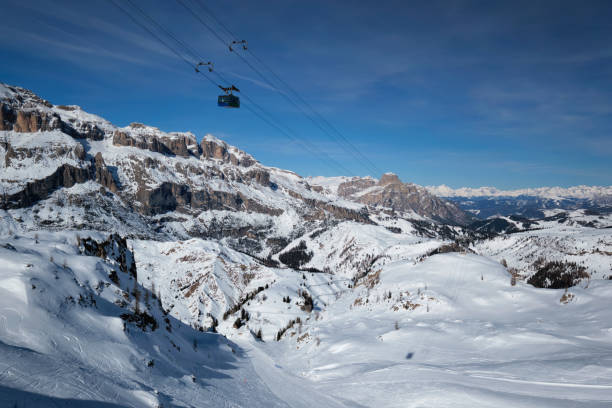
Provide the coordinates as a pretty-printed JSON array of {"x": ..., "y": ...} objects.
[
  {"x": 154, "y": 145},
  {"x": 389, "y": 178},
  {"x": 179, "y": 197},
  {"x": 260, "y": 176},
  {"x": 19, "y": 119},
  {"x": 357, "y": 184},
  {"x": 213, "y": 148},
  {"x": 115, "y": 248},
  {"x": 64, "y": 176},
  {"x": 152, "y": 139},
  {"x": 391, "y": 193},
  {"x": 103, "y": 175}
]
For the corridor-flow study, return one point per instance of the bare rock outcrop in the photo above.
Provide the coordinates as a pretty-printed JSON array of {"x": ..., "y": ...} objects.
[
  {"x": 389, "y": 178},
  {"x": 20, "y": 119},
  {"x": 391, "y": 193},
  {"x": 179, "y": 197},
  {"x": 357, "y": 184},
  {"x": 115, "y": 249},
  {"x": 65, "y": 176},
  {"x": 213, "y": 148},
  {"x": 180, "y": 146},
  {"x": 258, "y": 175},
  {"x": 7, "y": 117},
  {"x": 103, "y": 175},
  {"x": 121, "y": 138},
  {"x": 152, "y": 139}
]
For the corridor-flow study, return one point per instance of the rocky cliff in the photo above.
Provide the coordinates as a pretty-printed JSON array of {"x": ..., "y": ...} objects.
[{"x": 391, "y": 193}]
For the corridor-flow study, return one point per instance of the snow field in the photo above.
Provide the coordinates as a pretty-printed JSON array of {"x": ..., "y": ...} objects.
[
  {"x": 482, "y": 343},
  {"x": 454, "y": 331}
]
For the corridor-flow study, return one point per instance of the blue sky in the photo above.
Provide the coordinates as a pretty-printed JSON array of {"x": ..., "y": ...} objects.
[{"x": 464, "y": 93}]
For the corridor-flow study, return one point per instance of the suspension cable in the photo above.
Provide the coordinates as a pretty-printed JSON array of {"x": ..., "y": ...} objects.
[
  {"x": 181, "y": 43},
  {"x": 340, "y": 138},
  {"x": 287, "y": 131},
  {"x": 144, "y": 27},
  {"x": 270, "y": 120},
  {"x": 257, "y": 71}
]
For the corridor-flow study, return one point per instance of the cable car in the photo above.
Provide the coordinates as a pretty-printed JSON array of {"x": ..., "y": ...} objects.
[
  {"x": 243, "y": 43},
  {"x": 208, "y": 64},
  {"x": 229, "y": 100}
]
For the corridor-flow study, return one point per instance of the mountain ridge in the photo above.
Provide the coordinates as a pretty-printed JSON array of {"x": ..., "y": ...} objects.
[{"x": 167, "y": 179}]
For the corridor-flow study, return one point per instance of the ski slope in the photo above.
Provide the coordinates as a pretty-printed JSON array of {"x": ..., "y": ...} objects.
[{"x": 443, "y": 330}]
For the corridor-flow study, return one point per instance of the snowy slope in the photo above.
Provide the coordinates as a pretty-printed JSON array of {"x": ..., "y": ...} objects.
[
  {"x": 350, "y": 249},
  {"x": 571, "y": 237},
  {"x": 63, "y": 342},
  {"x": 465, "y": 336},
  {"x": 455, "y": 333}
]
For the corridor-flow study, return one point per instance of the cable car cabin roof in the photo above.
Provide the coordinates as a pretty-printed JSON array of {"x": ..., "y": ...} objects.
[{"x": 228, "y": 101}]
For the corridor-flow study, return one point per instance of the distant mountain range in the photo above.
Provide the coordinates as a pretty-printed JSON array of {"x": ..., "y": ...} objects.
[
  {"x": 485, "y": 202},
  {"x": 584, "y": 192}
]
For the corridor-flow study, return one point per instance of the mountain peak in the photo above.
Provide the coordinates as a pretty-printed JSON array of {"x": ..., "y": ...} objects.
[
  {"x": 211, "y": 138},
  {"x": 389, "y": 178}
]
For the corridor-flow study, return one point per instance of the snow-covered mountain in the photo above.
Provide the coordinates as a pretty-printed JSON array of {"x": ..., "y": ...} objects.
[
  {"x": 389, "y": 192},
  {"x": 141, "y": 181},
  {"x": 140, "y": 268}
]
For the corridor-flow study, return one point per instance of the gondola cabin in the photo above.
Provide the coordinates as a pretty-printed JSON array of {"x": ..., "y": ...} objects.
[{"x": 228, "y": 101}]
